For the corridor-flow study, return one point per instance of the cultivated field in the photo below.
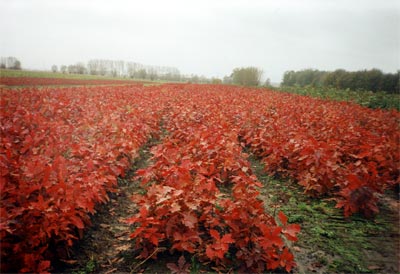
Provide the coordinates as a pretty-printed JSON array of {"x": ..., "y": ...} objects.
[
  {"x": 184, "y": 177},
  {"x": 20, "y": 78}
]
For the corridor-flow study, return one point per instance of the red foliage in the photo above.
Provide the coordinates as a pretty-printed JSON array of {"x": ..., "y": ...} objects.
[
  {"x": 62, "y": 149},
  {"x": 358, "y": 195},
  {"x": 220, "y": 245},
  {"x": 321, "y": 143},
  {"x": 60, "y": 153},
  {"x": 184, "y": 204}
]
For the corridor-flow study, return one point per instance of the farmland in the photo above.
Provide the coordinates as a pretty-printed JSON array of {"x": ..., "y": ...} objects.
[
  {"x": 235, "y": 178},
  {"x": 17, "y": 78},
  {"x": 36, "y": 81},
  {"x": 10, "y": 73}
]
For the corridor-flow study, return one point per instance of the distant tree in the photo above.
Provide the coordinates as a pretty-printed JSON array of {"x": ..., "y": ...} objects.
[
  {"x": 289, "y": 78},
  {"x": 119, "y": 67},
  {"x": 249, "y": 76},
  {"x": 3, "y": 62},
  {"x": 54, "y": 68},
  {"x": 194, "y": 78},
  {"x": 336, "y": 79},
  {"x": 174, "y": 74},
  {"x": 63, "y": 69},
  {"x": 390, "y": 82},
  {"x": 10, "y": 63},
  {"x": 171, "y": 76},
  {"x": 80, "y": 68},
  {"x": 267, "y": 83},
  {"x": 142, "y": 73},
  {"x": 151, "y": 73},
  {"x": 216, "y": 81},
  {"x": 17, "y": 65},
  {"x": 374, "y": 79},
  {"x": 102, "y": 69},
  {"x": 93, "y": 67},
  {"x": 71, "y": 69},
  {"x": 227, "y": 80},
  {"x": 132, "y": 69},
  {"x": 204, "y": 80}
]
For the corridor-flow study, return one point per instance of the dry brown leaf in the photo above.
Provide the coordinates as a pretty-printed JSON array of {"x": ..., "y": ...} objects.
[
  {"x": 111, "y": 271},
  {"x": 123, "y": 247},
  {"x": 69, "y": 261},
  {"x": 374, "y": 267},
  {"x": 296, "y": 248},
  {"x": 122, "y": 233}
]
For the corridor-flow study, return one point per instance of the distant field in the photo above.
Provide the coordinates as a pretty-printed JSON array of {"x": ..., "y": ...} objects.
[
  {"x": 18, "y": 78},
  {"x": 36, "y": 81},
  {"x": 48, "y": 74},
  {"x": 45, "y": 78}
]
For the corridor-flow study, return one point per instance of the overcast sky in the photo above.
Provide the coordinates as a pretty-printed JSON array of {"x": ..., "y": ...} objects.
[{"x": 205, "y": 37}]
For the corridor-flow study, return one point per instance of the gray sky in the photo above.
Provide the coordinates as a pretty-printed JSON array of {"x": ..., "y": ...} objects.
[{"x": 205, "y": 37}]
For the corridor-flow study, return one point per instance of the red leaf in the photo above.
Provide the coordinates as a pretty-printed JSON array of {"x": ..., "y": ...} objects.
[
  {"x": 181, "y": 268},
  {"x": 282, "y": 218},
  {"x": 189, "y": 220},
  {"x": 287, "y": 260},
  {"x": 77, "y": 222},
  {"x": 175, "y": 207},
  {"x": 215, "y": 253},
  {"x": 227, "y": 239},
  {"x": 215, "y": 234},
  {"x": 44, "y": 267},
  {"x": 291, "y": 231}
]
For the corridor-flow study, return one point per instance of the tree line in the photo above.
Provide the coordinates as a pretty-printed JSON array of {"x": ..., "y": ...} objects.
[
  {"x": 368, "y": 80},
  {"x": 10, "y": 63},
  {"x": 134, "y": 70},
  {"x": 244, "y": 76},
  {"x": 119, "y": 68}
]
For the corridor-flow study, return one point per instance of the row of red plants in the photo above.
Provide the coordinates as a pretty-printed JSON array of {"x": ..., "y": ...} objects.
[
  {"x": 201, "y": 196},
  {"x": 61, "y": 152},
  {"x": 331, "y": 148},
  {"x": 38, "y": 81}
]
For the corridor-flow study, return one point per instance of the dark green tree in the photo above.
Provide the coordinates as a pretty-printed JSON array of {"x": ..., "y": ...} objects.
[{"x": 249, "y": 76}]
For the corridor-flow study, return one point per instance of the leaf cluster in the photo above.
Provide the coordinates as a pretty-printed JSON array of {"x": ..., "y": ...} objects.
[
  {"x": 61, "y": 152},
  {"x": 201, "y": 196},
  {"x": 330, "y": 148}
]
